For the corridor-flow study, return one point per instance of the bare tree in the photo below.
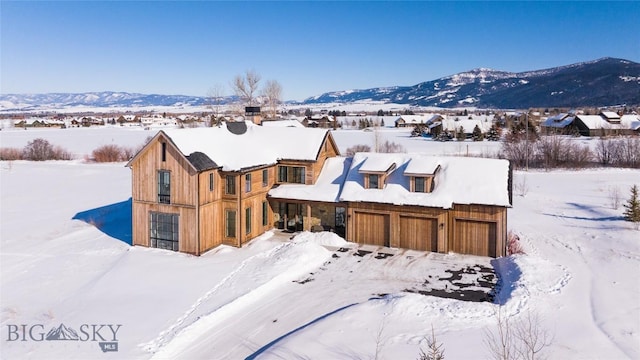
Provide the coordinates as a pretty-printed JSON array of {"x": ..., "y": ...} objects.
[
  {"x": 272, "y": 93},
  {"x": 501, "y": 342},
  {"x": 215, "y": 96},
  {"x": 245, "y": 86},
  {"x": 532, "y": 338},
  {"x": 523, "y": 339}
]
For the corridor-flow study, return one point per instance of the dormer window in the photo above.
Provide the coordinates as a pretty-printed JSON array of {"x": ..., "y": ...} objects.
[
  {"x": 374, "y": 181},
  {"x": 419, "y": 185}
]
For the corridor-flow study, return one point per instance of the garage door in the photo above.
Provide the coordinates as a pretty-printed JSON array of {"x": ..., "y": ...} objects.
[
  {"x": 419, "y": 233},
  {"x": 372, "y": 229},
  {"x": 474, "y": 237}
]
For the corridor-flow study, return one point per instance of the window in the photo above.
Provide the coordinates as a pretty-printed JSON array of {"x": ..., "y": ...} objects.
[
  {"x": 164, "y": 152},
  {"x": 298, "y": 175},
  {"x": 247, "y": 220},
  {"x": 282, "y": 173},
  {"x": 419, "y": 185},
  {"x": 211, "y": 182},
  {"x": 230, "y": 223},
  {"x": 265, "y": 177},
  {"x": 247, "y": 183},
  {"x": 291, "y": 174},
  {"x": 265, "y": 213},
  {"x": 373, "y": 181},
  {"x": 230, "y": 187},
  {"x": 164, "y": 231},
  {"x": 164, "y": 187}
]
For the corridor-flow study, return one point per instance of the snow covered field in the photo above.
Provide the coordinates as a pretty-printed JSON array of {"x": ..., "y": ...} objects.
[{"x": 300, "y": 298}]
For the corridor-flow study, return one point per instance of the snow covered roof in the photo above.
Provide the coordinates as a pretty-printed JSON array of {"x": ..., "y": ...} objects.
[
  {"x": 282, "y": 123},
  {"x": 327, "y": 188},
  {"x": 610, "y": 114},
  {"x": 558, "y": 121},
  {"x": 257, "y": 146},
  {"x": 377, "y": 164},
  {"x": 422, "y": 165},
  {"x": 460, "y": 180}
]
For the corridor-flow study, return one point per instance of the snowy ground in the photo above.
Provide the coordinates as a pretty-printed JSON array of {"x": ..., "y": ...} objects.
[{"x": 310, "y": 297}]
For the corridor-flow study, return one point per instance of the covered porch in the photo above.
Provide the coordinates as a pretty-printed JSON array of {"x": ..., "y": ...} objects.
[{"x": 294, "y": 216}]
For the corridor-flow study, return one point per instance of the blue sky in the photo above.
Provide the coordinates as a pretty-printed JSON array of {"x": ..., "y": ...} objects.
[{"x": 309, "y": 47}]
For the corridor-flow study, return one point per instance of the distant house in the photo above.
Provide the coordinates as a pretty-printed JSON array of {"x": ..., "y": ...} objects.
[
  {"x": 39, "y": 122},
  {"x": 194, "y": 189},
  {"x": 453, "y": 124},
  {"x": 604, "y": 124}
]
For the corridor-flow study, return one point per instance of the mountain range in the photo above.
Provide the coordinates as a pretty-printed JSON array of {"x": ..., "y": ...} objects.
[{"x": 602, "y": 82}]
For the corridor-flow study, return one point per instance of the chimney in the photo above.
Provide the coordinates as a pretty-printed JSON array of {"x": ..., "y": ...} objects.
[{"x": 252, "y": 113}]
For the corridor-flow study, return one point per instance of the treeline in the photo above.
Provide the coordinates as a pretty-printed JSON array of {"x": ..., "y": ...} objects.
[{"x": 41, "y": 149}]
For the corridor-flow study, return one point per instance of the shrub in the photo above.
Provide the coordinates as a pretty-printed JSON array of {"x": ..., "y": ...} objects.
[
  {"x": 108, "y": 153},
  {"x": 391, "y": 147},
  {"x": 357, "y": 148},
  {"x": 10, "y": 154},
  {"x": 40, "y": 149}
]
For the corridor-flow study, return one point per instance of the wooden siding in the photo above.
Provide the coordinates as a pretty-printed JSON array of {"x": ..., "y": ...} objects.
[
  {"x": 372, "y": 228},
  {"x": 480, "y": 215},
  {"x": 416, "y": 227},
  {"x": 145, "y": 174},
  {"x": 474, "y": 237},
  {"x": 419, "y": 233},
  {"x": 187, "y": 236}
]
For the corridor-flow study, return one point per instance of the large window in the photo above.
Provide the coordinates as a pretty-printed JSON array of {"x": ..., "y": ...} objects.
[
  {"x": 419, "y": 185},
  {"x": 265, "y": 213},
  {"x": 230, "y": 223},
  {"x": 247, "y": 220},
  {"x": 164, "y": 231},
  {"x": 373, "y": 181},
  {"x": 164, "y": 187},
  {"x": 247, "y": 183},
  {"x": 230, "y": 187},
  {"x": 291, "y": 174}
]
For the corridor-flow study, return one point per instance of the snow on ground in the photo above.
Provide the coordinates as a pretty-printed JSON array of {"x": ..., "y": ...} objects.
[{"x": 315, "y": 296}]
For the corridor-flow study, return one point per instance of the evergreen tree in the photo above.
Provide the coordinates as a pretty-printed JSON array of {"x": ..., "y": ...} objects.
[
  {"x": 632, "y": 212},
  {"x": 382, "y": 123},
  {"x": 493, "y": 134},
  {"x": 380, "y": 112},
  {"x": 353, "y": 123},
  {"x": 477, "y": 134},
  {"x": 460, "y": 135}
]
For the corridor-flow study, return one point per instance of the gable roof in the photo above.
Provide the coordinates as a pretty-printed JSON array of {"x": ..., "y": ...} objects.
[
  {"x": 460, "y": 180},
  {"x": 256, "y": 146}
]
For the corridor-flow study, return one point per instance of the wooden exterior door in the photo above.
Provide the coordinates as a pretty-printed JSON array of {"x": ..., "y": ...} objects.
[
  {"x": 371, "y": 229},
  {"x": 474, "y": 237},
  {"x": 419, "y": 233}
]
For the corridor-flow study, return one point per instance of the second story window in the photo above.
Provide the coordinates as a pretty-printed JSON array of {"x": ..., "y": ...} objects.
[
  {"x": 211, "y": 182},
  {"x": 419, "y": 185},
  {"x": 265, "y": 177},
  {"x": 230, "y": 187},
  {"x": 374, "y": 180},
  {"x": 247, "y": 183},
  {"x": 291, "y": 174},
  {"x": 164, "y": 187}
]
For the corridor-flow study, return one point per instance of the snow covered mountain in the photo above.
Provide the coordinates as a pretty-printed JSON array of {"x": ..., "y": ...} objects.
[
  {"x": 601, "y": 82},
  {"x": 605, "y": 81},
  {"x": 32, "y": 102}
]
